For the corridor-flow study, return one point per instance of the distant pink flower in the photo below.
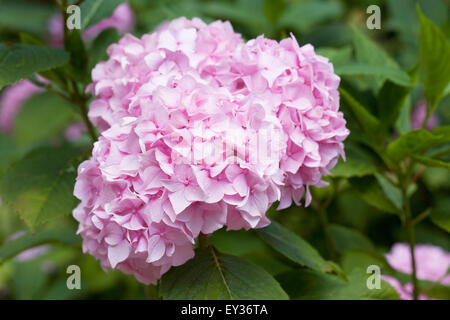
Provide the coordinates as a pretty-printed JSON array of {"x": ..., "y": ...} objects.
[
  {"x": 74, "y": 131},
  {"x": 122, "y": 19},
  {"x": 418, "y": 116},
  {"x": 12, "y": 99},
  {"x": 31, "y": 253},
  {"x": 432, "y": 264},
  {"x": 200, "y": 130}
]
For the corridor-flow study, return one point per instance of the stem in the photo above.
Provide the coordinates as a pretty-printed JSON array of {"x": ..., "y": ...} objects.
[
  {"x": 89, "y": 125},
  {"x": 329, "y": 240},
  {"x": 409, "y": 226},
  {"x": 203, "y": 241}
]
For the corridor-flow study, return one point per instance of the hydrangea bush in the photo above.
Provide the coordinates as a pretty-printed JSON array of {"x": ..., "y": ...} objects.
[{"x": 219, "y": 157}]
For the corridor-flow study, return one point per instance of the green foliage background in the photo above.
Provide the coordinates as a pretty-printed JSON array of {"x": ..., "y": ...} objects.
[{"x": 394, "y": 181}]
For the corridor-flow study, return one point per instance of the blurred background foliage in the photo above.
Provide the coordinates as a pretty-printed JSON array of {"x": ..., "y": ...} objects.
[{"x": 361, "y": 221}]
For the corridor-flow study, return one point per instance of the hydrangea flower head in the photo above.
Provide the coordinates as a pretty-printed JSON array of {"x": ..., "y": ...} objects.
[{"x": 200, "y": 130}]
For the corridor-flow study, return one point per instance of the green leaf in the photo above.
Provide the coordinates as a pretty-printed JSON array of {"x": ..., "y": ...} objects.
[
  {"x": 412, "y": 143},
  {"x": 369, "y": 53},
  {"x": 255, "y": 22},
  {"x": 97, "y": 51},
  {"x": 347, "y": 238},
  {"x": 371, "y": 192},
  {"x": 92, "y": 11},
  {"x": 78, "y": 57},
  {"x": 39, "y": 187},
  {"x": 311, "y": 285},
  {"x": 440, "y": 214},
  {"x": 211, "y": 275},
  {"x": 391, "y": 98},
  {"x": 433, "y": 163},
  {"x": 12, "y": 248},
  {"x": 42, "y": 108},
  {"x": 434, "y": 58},
  {"x": 357, "y": 69},
  {"x": 20, "y": 61},
  {"x": 25, "y": 16},
  {"x": 361, "y": 259},
  {"x": 357, "y": 164},
  {"x": 337, "y": 57},
  {"x": 368, "y": 123},
  {"x": 295, "y": 248},
  {"x": 304, "y": 15}
]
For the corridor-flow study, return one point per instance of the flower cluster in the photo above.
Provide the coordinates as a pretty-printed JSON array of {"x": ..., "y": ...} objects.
[
  {"x": 200, "y": 130},
  {"x": 432, "y": 264}
]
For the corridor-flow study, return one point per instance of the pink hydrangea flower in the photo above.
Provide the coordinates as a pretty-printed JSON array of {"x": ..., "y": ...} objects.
[
  {"x": 418, "y": 116},
  {"x": 122, "y": 19},
  {"x": 432, "y": 264},
  {"x": 200, "y": 130},
  {"x": 12, "y": 99}
]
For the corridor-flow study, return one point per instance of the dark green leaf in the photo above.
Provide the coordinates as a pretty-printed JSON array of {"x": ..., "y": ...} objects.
[
  {"x": 21, "y": 61},
  {"x": 211, "y": 275},
  {"x": 369, "y": 124},
  {"x": 358, "y": 164},
  {"x": 308, "y": 284},
  {"x": 97, "y": 51},
  {"x": 440, "y": 214},
  {"x": 39, "y": 187},
  {"x": 434, "y": 58},
  {"x": 295, "y": 248},
  {"x": 370, "y": 191},
  {"x": 391, "y": 98}
]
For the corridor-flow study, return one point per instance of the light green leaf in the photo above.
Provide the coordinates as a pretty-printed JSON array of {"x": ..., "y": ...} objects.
[
  {"x": 337, "y": 57},
  {"x": 434, "y": 58},
  {"x": 412, "y": 143},
  {"x": 396, "y": 75},
  {"x": 12, "y": 248},
  {"x": 430, "y": 162},
  {"x": 369, "y": 53},
  {"x": 295, "y": 248},
  {"x": 20, "y": 61},
  {"x": 42, "y": 108},
  {"x": 255, "y": 22},
  {"x": 347, "y": 238},
  {"x": 92, "y": 11},
  {"x": 302, "y": 16},
  {"x": 39, "y": 187},
  {"x": 211, "y": 275}
]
